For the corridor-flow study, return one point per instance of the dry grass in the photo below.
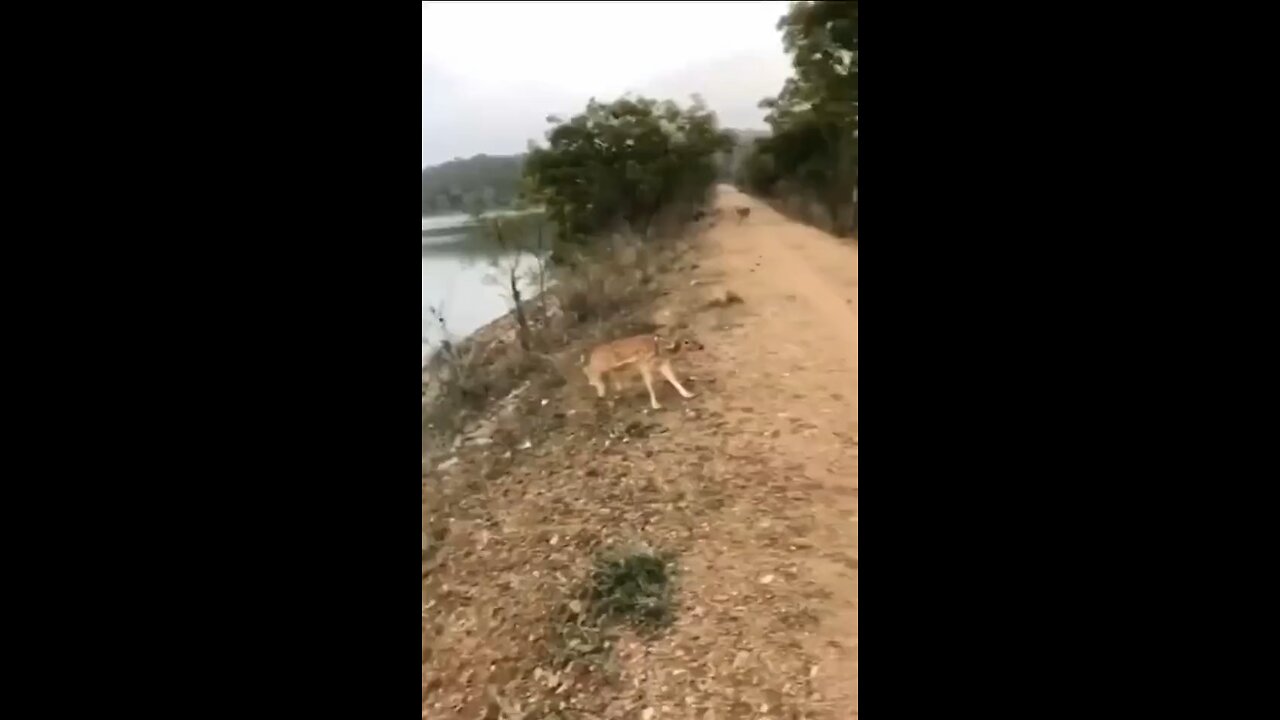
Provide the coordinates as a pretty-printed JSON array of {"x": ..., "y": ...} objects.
[
  {"x": 598, "y": 293},
  {"x": 572, "y": 576},
  {"x": 566, "y": 545}
]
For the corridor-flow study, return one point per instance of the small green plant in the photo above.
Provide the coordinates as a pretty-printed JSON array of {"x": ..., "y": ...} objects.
[{"x": 635, "y": 587}]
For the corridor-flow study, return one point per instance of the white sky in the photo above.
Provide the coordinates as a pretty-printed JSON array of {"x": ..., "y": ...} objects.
[{"x": 493, "y": 71}]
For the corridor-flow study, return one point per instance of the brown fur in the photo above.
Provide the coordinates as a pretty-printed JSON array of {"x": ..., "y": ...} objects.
[
  {"x": 645, "y": 353},
  {"x": 743, "y": 212}
]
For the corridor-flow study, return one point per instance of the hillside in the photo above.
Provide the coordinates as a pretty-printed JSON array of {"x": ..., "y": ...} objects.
[{"x": 492, "y": 181}]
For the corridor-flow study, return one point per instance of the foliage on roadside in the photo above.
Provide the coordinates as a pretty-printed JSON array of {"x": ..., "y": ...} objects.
[{"x": 813, "y": 151}]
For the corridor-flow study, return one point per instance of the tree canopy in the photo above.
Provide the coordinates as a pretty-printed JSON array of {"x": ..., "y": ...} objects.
[
  {"x": 624, "y": 162},
  {"x": 814, "y": 146}
]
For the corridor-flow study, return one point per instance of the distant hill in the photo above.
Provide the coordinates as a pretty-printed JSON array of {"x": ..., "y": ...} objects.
[{"x": 491, "y": 181}]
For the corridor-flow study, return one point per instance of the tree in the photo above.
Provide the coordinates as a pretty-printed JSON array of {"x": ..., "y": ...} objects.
[
  {"x": 814, "y": 145},
  {"x": 504, "y": 232},
  {"x": 625, "y": 162}
]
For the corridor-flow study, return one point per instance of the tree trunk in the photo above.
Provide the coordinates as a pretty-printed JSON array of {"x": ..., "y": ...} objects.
[
  {"x": 521, "y": 320},
  {"x": 513, "y": 276},
  {"x": 846, "y": 181},
  {"x": 843, "y": 180},
  {"x": 542, "y": 281},
  {"x": 855, "y": 211}
]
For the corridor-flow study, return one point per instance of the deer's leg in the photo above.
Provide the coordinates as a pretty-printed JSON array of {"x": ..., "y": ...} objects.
[
  {"x": 647, "y": 374},
  {"x": 596, "y": 381},
  {"x": 670, "y": 375}
]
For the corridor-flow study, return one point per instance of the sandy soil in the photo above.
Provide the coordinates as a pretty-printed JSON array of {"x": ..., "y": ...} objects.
[
  {"x": 752, "y": 484},
  {"x": 792, "y": 360}
]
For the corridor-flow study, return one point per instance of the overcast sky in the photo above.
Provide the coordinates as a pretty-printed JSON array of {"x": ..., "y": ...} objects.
[{"x": 493, "y": 71}]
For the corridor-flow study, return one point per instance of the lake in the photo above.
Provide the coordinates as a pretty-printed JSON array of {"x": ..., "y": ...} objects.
[{"x": 460, "y": 280}]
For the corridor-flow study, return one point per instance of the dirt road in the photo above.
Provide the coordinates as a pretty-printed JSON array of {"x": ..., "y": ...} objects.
[{"x": 788, "y": 369}]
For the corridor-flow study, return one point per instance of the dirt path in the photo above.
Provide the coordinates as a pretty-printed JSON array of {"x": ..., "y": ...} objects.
[{"x": 788, "y": 371}]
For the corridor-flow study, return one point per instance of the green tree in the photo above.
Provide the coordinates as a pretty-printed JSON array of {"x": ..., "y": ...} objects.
[
  {"x": 814, "y": 145},
  {"x": 625, "y": 162}
]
